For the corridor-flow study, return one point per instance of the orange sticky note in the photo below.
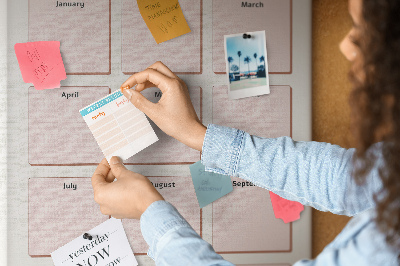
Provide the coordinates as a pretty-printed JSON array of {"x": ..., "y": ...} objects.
[
  {"x": 284, "y": 209},
  {"x": 41, "y": 63},
  {"x": 164, "y": 18}
]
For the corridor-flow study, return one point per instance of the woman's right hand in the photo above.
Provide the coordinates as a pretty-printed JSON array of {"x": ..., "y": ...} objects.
[{"x": 174, "y": 113}]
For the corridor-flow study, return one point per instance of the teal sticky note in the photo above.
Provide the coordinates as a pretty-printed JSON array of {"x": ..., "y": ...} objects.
[{"x": 209, "y": 186}]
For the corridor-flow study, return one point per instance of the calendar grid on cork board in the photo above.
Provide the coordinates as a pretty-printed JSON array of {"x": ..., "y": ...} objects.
[{"x": 52, "y": 153}]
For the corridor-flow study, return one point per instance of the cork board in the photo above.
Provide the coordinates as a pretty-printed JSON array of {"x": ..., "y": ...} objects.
[{"x": 331, "y": 88}]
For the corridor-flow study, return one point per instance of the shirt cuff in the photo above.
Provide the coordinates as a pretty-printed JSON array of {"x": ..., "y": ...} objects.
[
  {"x": 221, "y": 150},
  {"x": 158, "y": 219}
]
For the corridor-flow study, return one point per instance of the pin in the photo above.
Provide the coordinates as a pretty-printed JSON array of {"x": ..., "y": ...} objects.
[
  {"x": 87, "y": 236},
  {"x": 246, "y": 36},
  {"x": 125, "y": 88}
]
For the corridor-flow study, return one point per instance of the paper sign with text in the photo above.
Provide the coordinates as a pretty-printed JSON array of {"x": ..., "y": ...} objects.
[
  {"x": 118, "y": 126},
  {"x": 209, "y": 186},
  {"x": 284, "y": 209},
  {"x": 108, "y": 246},
  {"x": 164, "y": 18},
  {"x": 41, "y": 63}
]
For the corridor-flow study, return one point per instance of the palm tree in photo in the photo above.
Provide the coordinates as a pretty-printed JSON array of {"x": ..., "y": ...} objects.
[
  {"x": 234, "y": 68},
  {"x": 255, "y": 57},
  {"x": 239, "y": 54},
  {"x": 230, "y": 60},
  {"x": 247, "y": 60},
  {"x": 262, "y": 59}
]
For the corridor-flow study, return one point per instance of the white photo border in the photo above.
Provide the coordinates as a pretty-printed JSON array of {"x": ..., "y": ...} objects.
[{"x": 247, "y": 92}]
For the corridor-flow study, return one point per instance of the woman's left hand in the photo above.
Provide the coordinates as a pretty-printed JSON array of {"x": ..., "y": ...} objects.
[{"x": 127, "y": 197}]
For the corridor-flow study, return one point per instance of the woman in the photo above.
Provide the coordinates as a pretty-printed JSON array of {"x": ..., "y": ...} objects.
[{"x": 363, "y": 183}]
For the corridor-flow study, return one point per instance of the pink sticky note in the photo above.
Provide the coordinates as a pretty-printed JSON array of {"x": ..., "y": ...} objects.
[
  {"x": 284, "y": 209},
  {"x": 41, "y": 63}
]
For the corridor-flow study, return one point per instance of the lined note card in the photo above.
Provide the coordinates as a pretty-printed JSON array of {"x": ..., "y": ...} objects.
[{"x": 118, "y": 126}]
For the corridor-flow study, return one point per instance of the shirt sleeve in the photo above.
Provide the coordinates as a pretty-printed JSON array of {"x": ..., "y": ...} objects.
[
  {"x": 172, "y": 241},
  {"x": 312, "y": 173}
]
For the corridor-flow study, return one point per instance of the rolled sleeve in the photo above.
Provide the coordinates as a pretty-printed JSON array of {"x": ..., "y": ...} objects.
[
  {"x": 221, "y": 151},
  {"x": 315, "y": 174}
]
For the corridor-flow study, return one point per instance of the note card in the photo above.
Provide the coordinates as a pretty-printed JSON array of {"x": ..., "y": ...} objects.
[
  {"x": 118, "y": 126},
  {"x": 107, "y": 244},
  {"x": 209, "y": 186},
  {"x": 284, "y": 209},
  {"x": 164, "y": 19},
  {"x": 41, "y": 63}
]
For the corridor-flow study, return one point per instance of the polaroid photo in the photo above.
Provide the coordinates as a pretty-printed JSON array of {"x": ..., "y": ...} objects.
[{"x": 246, "y": 64}]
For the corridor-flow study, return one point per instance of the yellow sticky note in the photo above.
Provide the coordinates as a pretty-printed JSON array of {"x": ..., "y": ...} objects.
[{"x": 164, "y": 18}]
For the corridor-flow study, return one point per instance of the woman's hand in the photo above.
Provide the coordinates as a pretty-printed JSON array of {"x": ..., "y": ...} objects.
[
  {"x": 174, "y": 113},
  {"x": 127, "y": 197}
]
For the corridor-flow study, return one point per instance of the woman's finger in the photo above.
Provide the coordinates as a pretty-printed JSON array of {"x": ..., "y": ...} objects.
[
  {"x": 160, "y": 67},
  {"x": 100, "y": 174},
  {"x": 110, "y": 177},
  {"x": 157, "y": 78},
  {"x": 142, "y": 86}
]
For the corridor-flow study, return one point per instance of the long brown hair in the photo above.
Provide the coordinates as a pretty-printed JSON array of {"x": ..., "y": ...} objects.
[{"x": 375, "y": 103}]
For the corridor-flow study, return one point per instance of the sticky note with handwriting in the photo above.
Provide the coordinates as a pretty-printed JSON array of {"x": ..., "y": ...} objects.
[
  {"x": 118, "y": 126},
  {"x": 164, "y": 18},
  {"x": 41, "y": 63},
  {"x": 209, "y": 186},
  {"x": 284, "y": 209},
  {"x": 106, "y": 244}
]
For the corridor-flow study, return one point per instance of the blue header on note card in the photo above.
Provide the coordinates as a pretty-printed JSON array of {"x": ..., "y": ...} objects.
[{"x": 102, "y": 102}]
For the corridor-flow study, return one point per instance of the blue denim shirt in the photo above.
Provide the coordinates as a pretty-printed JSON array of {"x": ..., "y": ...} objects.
[{"x": 312, "y": 173}]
